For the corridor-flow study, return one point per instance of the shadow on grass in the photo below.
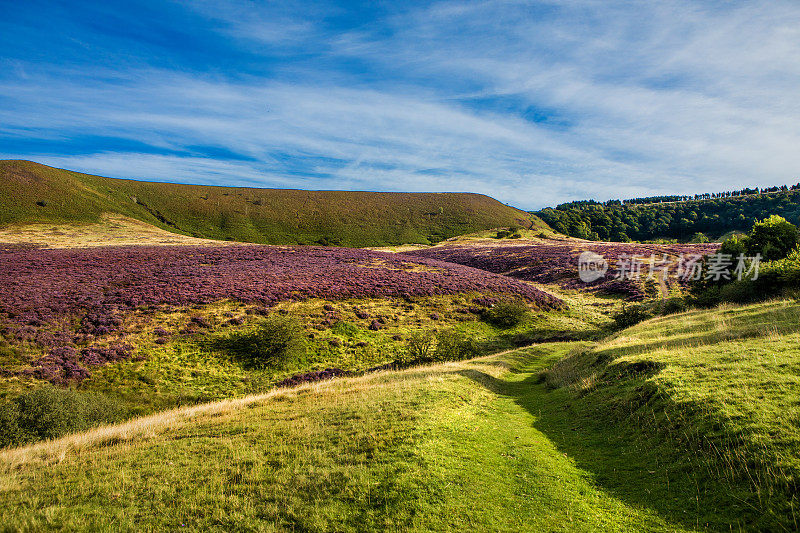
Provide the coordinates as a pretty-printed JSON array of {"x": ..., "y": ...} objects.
[
  {"x": 633, "y": 463},
  {"x": 246, "y": 349}
]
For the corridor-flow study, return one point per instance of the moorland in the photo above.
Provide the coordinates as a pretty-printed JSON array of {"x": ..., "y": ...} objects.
[{"x": 449, "y": 373}]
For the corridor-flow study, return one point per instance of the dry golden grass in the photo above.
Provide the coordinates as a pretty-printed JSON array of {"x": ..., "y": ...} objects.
[{"x": 112, "y": 230}]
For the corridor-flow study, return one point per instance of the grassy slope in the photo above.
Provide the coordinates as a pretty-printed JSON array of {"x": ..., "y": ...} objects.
[
  {"x": 680, "y": 423},
  {"x": 428, "y": 449},
  {"x": 711, "y": 394},
  {"x": 112, "y": 230},
  {"x": 269, "y": 216}
]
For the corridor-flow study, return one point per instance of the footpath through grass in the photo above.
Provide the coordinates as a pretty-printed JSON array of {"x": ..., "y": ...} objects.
[
  {"x": 687, "y": 422},
  {"x": 439, "y": 448}
]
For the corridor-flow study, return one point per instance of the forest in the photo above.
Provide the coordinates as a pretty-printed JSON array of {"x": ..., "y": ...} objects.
[{"x": 698, "y": 218}]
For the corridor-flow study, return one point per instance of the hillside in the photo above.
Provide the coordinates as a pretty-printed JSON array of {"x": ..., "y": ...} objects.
[
  {"x": 683, "y": 423},
  {"x": 681, "y": 220},
  {"x": 34, "y": 193}
]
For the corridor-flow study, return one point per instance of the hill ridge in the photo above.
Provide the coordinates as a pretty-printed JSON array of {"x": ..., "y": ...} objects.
[{"x": 32, "y": 193}]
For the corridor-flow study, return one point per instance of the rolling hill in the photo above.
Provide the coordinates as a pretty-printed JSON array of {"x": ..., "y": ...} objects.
[{"x": 34, "y": 193}]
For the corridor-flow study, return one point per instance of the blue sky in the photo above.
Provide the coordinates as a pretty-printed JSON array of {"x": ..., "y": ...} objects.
[{"x": 534, "y": 103}]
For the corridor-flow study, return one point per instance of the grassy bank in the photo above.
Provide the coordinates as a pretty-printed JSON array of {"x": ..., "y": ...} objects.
[{"x": 711, "y": 395}]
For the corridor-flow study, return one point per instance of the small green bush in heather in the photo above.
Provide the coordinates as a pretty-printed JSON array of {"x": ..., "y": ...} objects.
[
  {"x": 630, "y": 315},
  {"x": 419, "y": 346},
  {"x": 276, "y": 340},
  {"x": 454, "y": 345},
  {"x": 507, "y": 314}
]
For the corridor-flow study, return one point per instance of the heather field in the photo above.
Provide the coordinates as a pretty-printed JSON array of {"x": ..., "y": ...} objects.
[
  {"x": 159, "y": 326},
  {"x": 555, "y": 261}
]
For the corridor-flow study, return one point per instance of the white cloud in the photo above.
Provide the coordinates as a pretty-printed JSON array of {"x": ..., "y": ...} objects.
[{"x": 649, "y": 97}]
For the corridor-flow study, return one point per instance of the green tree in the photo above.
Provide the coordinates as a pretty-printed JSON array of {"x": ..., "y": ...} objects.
[{"x": 774, "y": 238}]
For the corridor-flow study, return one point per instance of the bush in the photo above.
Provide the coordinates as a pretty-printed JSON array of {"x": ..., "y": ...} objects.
[
  {"x": 507, "y": 314},
  {"x": 630, "y": 315},
  {"x": 345, "y": 329},
  {"x": 740, "y": 292},
  {"x": 419, "y": 345},
  {"x": 510, "y": 233},
  {"x": 699, "y": 238},
  {"x": 9, "y": 425},
  {"x": 774, "y": 238},
  {"x": 672, "y": 305},
  {"x": 276, "y": 340},
  {"x": 735, "y": 246},
  {"x": 454, "y": 345},
  {"x": 48, "y": 413}
]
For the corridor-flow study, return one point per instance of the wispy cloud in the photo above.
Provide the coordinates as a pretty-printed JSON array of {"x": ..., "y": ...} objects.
[{"x": 531, "y": 102}]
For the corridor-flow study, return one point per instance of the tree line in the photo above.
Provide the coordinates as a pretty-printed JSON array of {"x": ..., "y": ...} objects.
[{"x": 697, "y": 218}]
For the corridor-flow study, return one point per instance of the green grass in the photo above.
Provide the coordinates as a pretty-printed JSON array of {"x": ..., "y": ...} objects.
[
  {"x": 681, "y": 423},
  {"x": 267, "y": 216},
  {"x": 423, "y": 449},
  {"x": 710, "y": 392}
]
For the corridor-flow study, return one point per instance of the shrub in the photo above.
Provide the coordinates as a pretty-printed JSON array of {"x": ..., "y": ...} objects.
[
  {"x": 454, "y": 345},
  {"x": 276, "y": 340},
  {"x": 743, "y": 291},
  {"x": 419, "y": 345},
  {"x": 9, "y": 425},
  {"x": 735, "y": 246},
  {"x": 672, "y": 305},
  {"x": 774, "y": 238},
  {"x": 507, "y": 314},
  {"x": 48, "y": 413},
  {"x": 345, "y": 329},
  {"x": 705, "y": 297},
  {"x": 630, "y": 315},
  {"x": 510, "y": 233}
]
